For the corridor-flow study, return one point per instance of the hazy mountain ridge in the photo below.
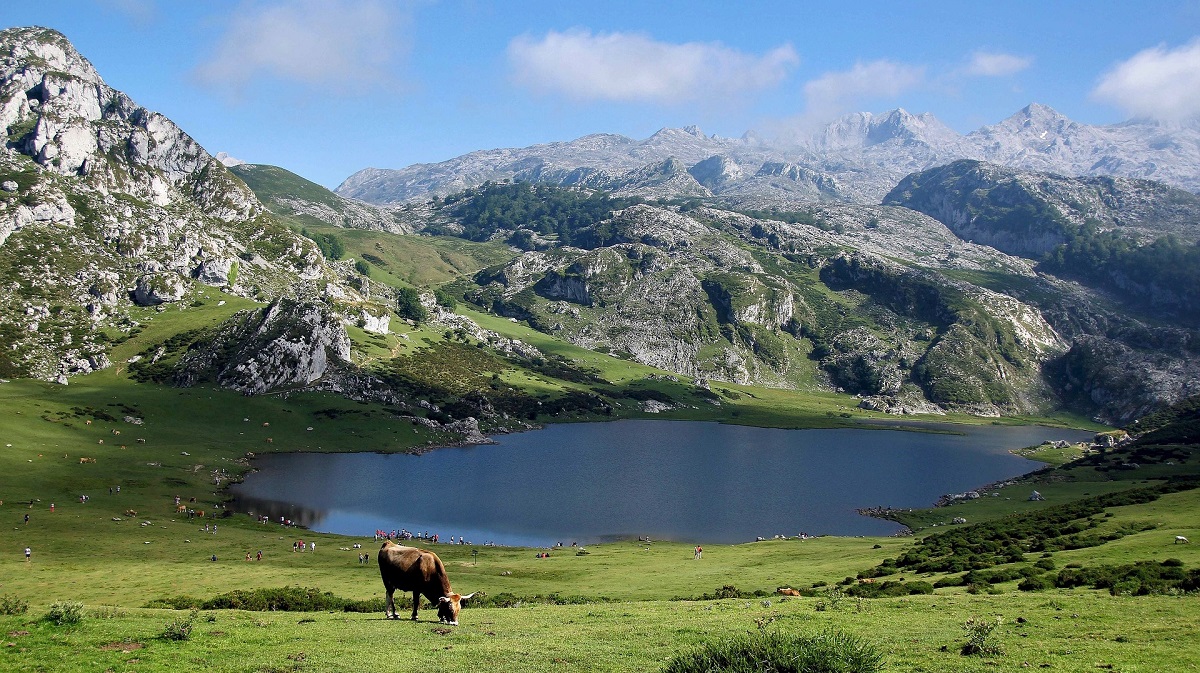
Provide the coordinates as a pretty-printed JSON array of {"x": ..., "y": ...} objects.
[{"x": 857, "y": 158}]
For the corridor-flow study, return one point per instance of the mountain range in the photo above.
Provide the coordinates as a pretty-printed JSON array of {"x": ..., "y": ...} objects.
[
  {"x": 1030, "y": 266},
  {"x": 855, "y": 159}
]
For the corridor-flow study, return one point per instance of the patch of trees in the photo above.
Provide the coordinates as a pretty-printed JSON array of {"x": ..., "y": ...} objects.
[
  {"x": 408, "y": 305},
  {"x": 1164, "y": 273},
  {"x": 1006, "y": 540},
  {"x": 331, "y": 246},
  {"x": 572, "y": 216},
  {"x": 1136, "y": 579}
]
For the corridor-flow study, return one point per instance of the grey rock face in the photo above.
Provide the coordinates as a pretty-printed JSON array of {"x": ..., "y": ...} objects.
[
  {"x": 112, "y": 205},
  {"x": 214, "y": 272},
  {"x": 76, "y": 123},
  {"x": 286, "y": 344},
  {"x": 694, "y": 294},
  {"x": 159, "y": 288}
]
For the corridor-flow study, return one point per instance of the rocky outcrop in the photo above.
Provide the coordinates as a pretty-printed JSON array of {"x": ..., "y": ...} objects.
[
  {"x": 158, "y": 288},
  {"x": 284, "y": 345},
  {"x": 1122, "y": 383},
  {"x": 73, "y": 124},
  {"x": 105, "y": 205}
]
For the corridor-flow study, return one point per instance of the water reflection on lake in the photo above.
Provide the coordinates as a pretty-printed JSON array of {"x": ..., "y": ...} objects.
[{"x": 688, "y": 481}]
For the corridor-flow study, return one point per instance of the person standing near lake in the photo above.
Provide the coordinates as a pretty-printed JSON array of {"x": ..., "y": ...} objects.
[
  {"x": 699, "y": 552},
  {"x": 28, "y": 553}
]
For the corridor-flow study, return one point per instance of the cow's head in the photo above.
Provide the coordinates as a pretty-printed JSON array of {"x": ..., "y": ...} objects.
[{"x": 448, "y": 607}]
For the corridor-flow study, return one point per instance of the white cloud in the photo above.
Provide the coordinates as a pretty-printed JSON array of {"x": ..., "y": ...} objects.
[
  {"x": 1157, "y": 82},
  {"x": 635, "y": 67},
  {"x": 995, "y": 64},
  {"x": 142, "y": 12},
  {"x": 835, "y": 93},
  {"x": 339, "y": 45}
]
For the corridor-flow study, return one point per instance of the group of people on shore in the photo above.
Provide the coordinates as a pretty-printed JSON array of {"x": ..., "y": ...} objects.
[{"x": 426, "y": 536}]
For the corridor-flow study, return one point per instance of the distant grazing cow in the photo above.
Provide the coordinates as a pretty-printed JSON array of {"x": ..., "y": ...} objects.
[
  {"x": 787, "y": 591},
  {"x": 1180, "y": 538},
  {"x": 421, "y": 572}
]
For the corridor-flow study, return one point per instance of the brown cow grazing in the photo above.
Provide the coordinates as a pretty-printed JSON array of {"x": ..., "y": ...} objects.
[{"x": 421, "y": 572}]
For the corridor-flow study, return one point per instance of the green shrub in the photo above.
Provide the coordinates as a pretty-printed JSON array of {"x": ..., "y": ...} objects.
[
  {"x": 979, "y": 633},
  {"x": 12, "y": 605},
  {"x": 829, "y": 652},
  {"x": 1139, "y": 578},
  {"x": 179, "y": 628},
  {"x": 1035, "y": 584},
  {"x": 65, "y": 613},
  {"x": 291, "y": 599},
  {"x": 1045, "y": 564},
  {"x": 283, "y": 599},
  {"x": 408, "y": 305}
]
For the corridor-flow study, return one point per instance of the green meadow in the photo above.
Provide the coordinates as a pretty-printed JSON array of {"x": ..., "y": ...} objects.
[{"x": 126, "y": 555}]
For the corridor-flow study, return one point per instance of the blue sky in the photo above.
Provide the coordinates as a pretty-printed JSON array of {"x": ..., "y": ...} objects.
[{"x": 325, "y": 88}]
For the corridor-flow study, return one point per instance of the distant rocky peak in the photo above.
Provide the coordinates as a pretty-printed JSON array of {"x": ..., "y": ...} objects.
[
  {"x": 864, "y": 129},
  {"x": 667, "y": 134},
  {"x": 1036, "y": 117},
  {"x": 716, "y": 171},
  {"x": 228, "y": 161}
]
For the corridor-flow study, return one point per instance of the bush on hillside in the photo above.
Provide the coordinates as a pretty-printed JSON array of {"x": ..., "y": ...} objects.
[
  {"x": 12, "y": 605},
  {"x": 829, "y": 652},
  {"x": 1035, "y": 584},
  {"x": 282, "y": 599},
  {"x": 65, "y": 613},
  {"x": 1139, "y": 579}
]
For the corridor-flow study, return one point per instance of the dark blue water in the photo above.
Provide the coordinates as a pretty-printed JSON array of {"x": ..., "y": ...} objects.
[{"x": 687, "y": 481}]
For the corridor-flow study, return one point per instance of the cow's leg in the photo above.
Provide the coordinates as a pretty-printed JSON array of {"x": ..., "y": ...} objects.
[
  {"x": 416, "y": 604},
  {"x": 389, "y": 610}
]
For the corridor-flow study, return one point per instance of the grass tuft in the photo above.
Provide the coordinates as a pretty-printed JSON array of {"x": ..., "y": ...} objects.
[
  {"x": 179, "y": 628},
  {"x": 827, "y": 652}
]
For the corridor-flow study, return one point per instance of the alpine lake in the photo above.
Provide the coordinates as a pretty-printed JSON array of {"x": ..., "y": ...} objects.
[{"x": 686, "y": 481}]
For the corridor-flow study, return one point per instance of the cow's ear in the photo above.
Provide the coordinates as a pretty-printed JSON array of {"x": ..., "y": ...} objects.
[{"x": 443, "y": 599}]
